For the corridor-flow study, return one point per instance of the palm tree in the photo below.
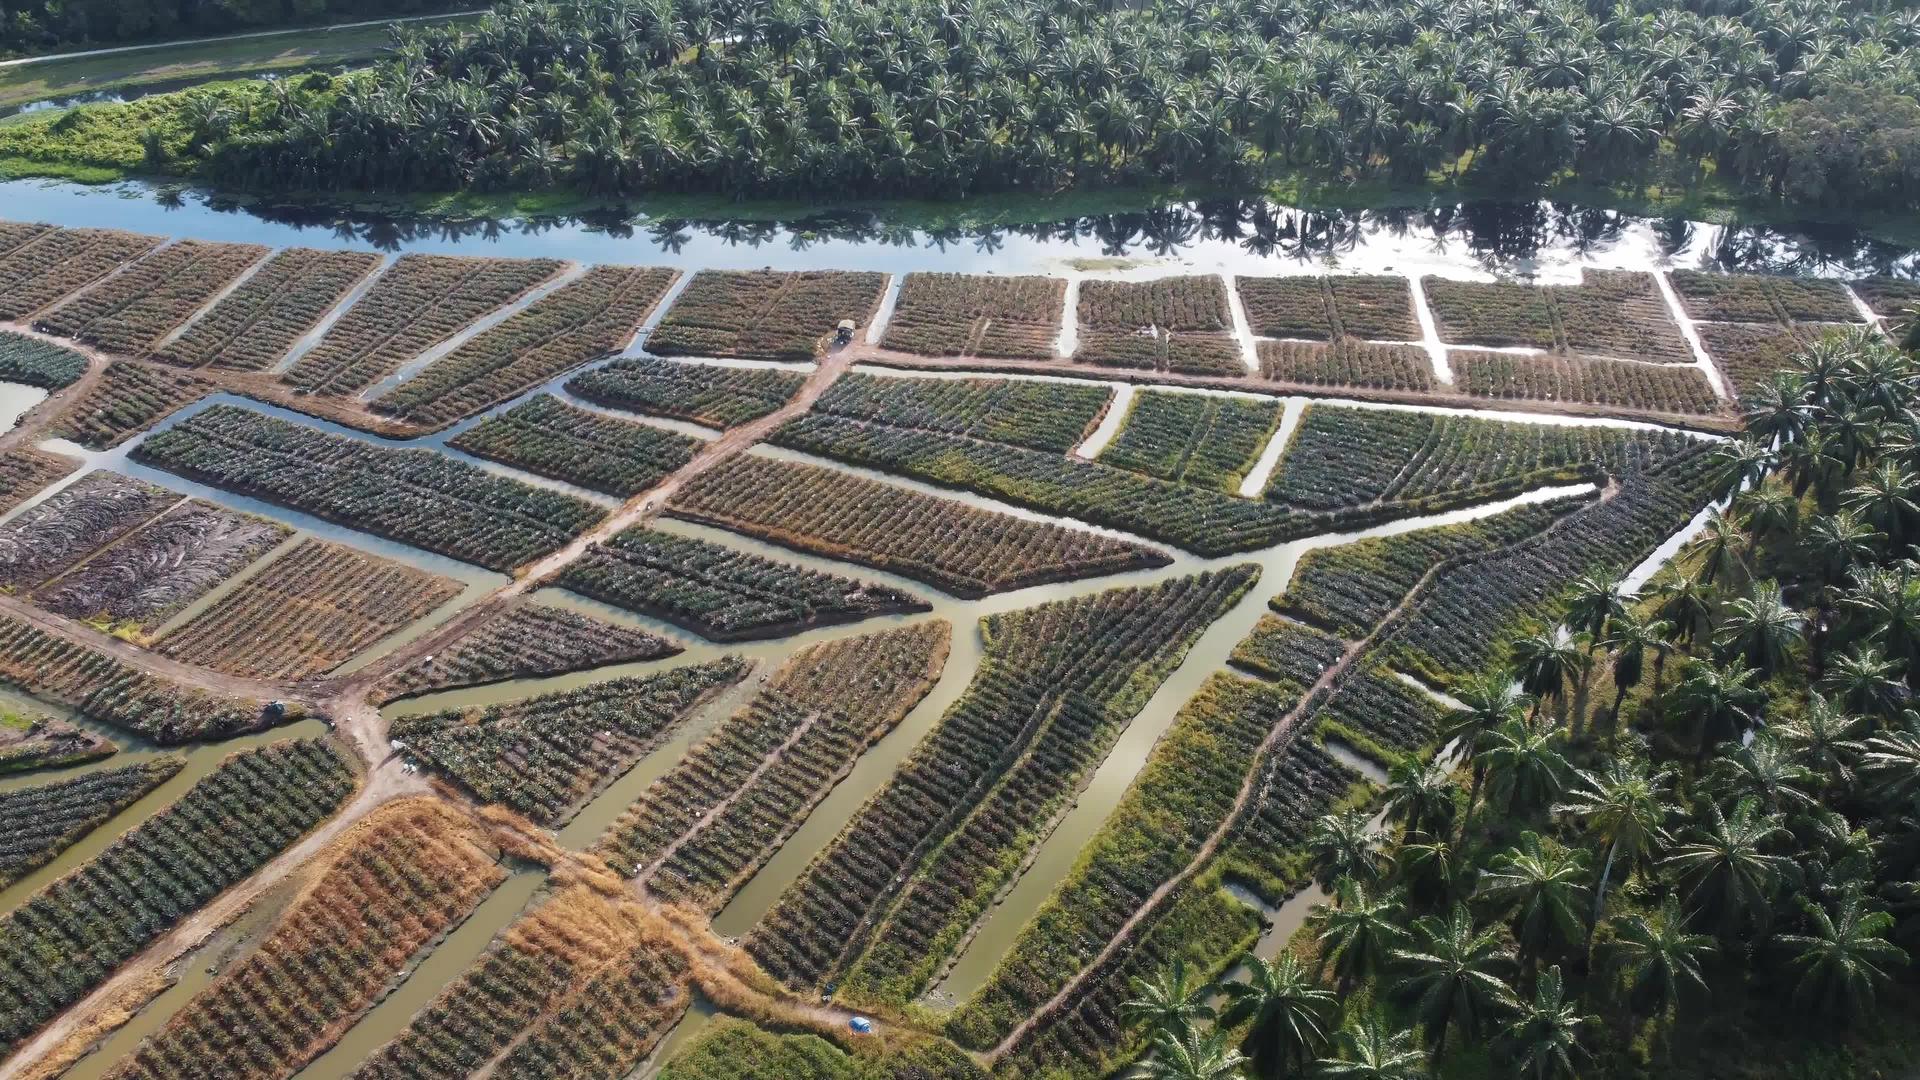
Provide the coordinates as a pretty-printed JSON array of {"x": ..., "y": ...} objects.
[
  {"x": 1721, "y": 701},
  {"x": 1360, "y": 932},
  {"x": 1623, "y": 808},
  {"x": 1374, "y": 1050},
  {"x": 1545, "y": 661},
  {"x": 1720, "y": 547},
  {"x": 1420, "y": 795},
  {"x": 1687, "y": 607},
  {"x": 1867, "y": 683},
  {"x": 1288, "y": 1011},
  {"x": 1541, "y": 886},
  {"x": 1490, "y": 701},
  {"x": 1825, "y": 737},
  {"x": 1845, "y": 959},
  {"x": 1431, "y": 868},
  {"x": 1628, "y": 640},
  {"x": 1525, "y": 766},
  {"x": 1190, "y": 1055},
  {"x": 1343, "y": 847},
  {"x": 1169, "y": 1005},
  {"x": 1891, "y": 761},
  {"x": 1542, "y": 1041},
  {"x": 1593, "y": 604},
  {"x": 1883, "y": 499},
  {"x": 1456, "y": 975},
  {"x": 1726, "y": 870},
  {"x": 1760, "y": 629},
  {"x": 1765, "y": 771},
  {"x": 1661, "y": 959}
]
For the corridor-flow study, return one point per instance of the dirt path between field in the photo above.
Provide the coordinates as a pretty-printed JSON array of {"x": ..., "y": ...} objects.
[{"x": 645, "y": 505}]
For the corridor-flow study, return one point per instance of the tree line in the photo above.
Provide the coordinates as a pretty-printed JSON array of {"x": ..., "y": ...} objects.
[
  {"x": 42, "y": 26},
  {"x": 1684, "y": 821},
  {"x": 1809, "y": 101}
]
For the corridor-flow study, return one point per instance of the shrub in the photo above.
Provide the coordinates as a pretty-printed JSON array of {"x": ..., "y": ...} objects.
[
  {"x": 60, "y": 262},
  {"x": 1205, "y": 440},
  {"x": 252, "y": 327},
  {"x": 129, "y": 398},
  {"x": 1347, "y": 362},
  {"x": 709, "y": 394},
  {"x": 130, "y": 312},
  {"x": 548, "y": 437},
  {"x": 764, "y": 314},
  {"x": 38, "y": 363},
  {"x": 977, "y": 315},
  {"x": 526, "y": 640},
  {"x": 38, "y": 823}
]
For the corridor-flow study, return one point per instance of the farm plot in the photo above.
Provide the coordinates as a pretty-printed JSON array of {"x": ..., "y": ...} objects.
[
  {"x": 583, "y": 320},
  {"x": 1201, "y": 520},
  {"x": 25, "y": 472},
  {"x": 1329, "y": 308},
  {"x": 548, "y": 437},
  {"x": 720, "y": 593},
  {"x": 959, "y": 549},
  {"x": 30, "y": 741},
  {"x": 417, "y": 497},
  {"x": 1053, "y": 690},
  {"x": 98, "y": 509},
  {"x": 38, "y": 823},
  {"x": 1476, "y": 606},
  {"x": 1178, "y": 324},
  {"x": 61, "y": 262},
  {"x": 764, "y": 314},
  {"x": 309, "y": 611},
  {"x": 525, "y": 640},
  {"x": 1348, "y": 589},
  {"x": 412, "y": 872},
  {"x": 34, "y": 362},
  {"x": 146, "y": 578},
  {"x": 130, "y": 312},
  {"x": 130, "y": 398},
  {"x": 544, "y": 756},
  {"x": 1199, "y": 439},
  {"x": 71, "y": 935},
  {"x": 256, "y": 324},
  {"x": 1186, "y": 788},
  {"x": 977, "y": 315},
  {"x": 1344, "y": 456},
  {"x": 1346, "y": 362},
  {"x": 579, "y": 987},
  {"x": 1748, "y": 354},
  {"x": 1019, "y": 412},
  {"x": 1891, "y": 297},
  {"x": 1290, "y": 654},
  {"x": 1268, "y": 850},
  {"x": 1088, "y": 1038},
  {"x": 420, "y": 301},
  {"x": 1763, "y": 298},
  {"x": 705, "y": 827},
  {"x": 101, "y": 687},
  {"x": 1491, "y": 313},
  {"x": 1380, "y": 716},
  {"x": 1610, "y": 313},
  {"x": 1664, "y": 388},
  {"x": 15, "y": 235},
  {"x": 720, "y": 397}
]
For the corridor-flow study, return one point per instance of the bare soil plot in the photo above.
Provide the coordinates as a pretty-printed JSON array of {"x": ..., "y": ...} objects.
[
  {"x": 584, "y": 320},
  {"x": 130, "y": 312},
  {"x": 251, "y": 328},
  {"x": 977, "y": 315},
  {"x": 60, "y": 262},
  {"x": 156, "y": 571},
  {"x": 525, "y": 640},
  {"x": 59, "y": 532},
  {"x": 420, "y": 301},
  {"x": 313, "y": 609},
  {"x": 765, "y": 314},
  {"x": 129, "y": 398},
  {"x": 1179, "y": 324}
]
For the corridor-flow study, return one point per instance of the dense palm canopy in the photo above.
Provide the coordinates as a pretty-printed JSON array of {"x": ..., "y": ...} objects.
[{"x": 953, "y": 96}]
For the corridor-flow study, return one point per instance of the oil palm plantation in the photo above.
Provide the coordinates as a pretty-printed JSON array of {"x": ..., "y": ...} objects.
[
  {"x": 1288, "y": 1013},
  {"x": 1455, "y": 976}
]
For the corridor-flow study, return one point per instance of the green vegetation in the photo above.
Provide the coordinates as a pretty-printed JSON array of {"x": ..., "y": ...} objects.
[
  {"x": 1038, "y": 95},
  {"x": 1673, "y": 841},
  {"x": 39, "y": 823},
  {"x": 736, "y": 1050}
]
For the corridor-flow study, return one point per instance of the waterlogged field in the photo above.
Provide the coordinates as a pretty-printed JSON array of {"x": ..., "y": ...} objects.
[{"x": 680, "y": 656}]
